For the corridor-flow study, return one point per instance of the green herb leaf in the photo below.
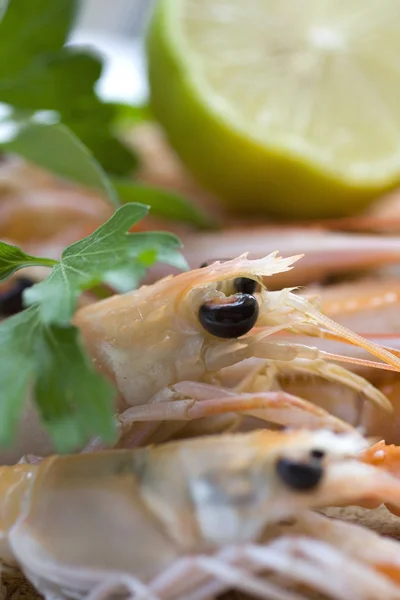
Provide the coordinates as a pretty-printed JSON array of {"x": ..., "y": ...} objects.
[
  {"x": 113, "y": 156},
  {"x": 108, "y": 255},
  {"x": 12, "y": 259},
  {"x": 17, "y": 335},
  {"x": 163, "y": 203},
  {"x": 74, "y": 401},
  {"x": 37, "y": 72},
  {"x": 61, "y": 82},
  {"x": 29, "y": 29},
  {"x": 57, "y": 149}
]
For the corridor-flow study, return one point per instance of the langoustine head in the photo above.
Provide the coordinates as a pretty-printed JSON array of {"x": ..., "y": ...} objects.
[
  {"x": 240, "y": 483},
  {"x": 188, "y": 327}
]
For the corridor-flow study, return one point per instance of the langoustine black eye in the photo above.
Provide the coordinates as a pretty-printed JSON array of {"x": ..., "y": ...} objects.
[
  {"x": 300, "y": 476},
  {"x": 231, "y": 317},
  {"x": 245, "y": 285},
  {"x": 11, "y": 300},
  {"x": 317, "y": 454}
]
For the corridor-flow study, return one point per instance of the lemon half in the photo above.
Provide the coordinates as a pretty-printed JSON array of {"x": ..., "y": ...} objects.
[{"x": 289, "y": 107}]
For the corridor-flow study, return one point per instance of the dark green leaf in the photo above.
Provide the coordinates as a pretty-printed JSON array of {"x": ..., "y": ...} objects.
[
  {"x": 74, "y": 401},
  {"x": 17, "y": 337},
  {"x": 109, "y": 254},
  {"x": 12, "y": 259},
  {"x": 55, "y": 148},
  {"x": 30, "y": 28},
  {"x": 113, "y": 156},
  {"x": 163, "y": 203},
  {"x": 62, "y": 82},
  {"x": 41, "y": 74}
]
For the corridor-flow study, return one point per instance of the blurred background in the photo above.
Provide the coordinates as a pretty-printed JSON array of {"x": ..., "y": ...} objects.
[{"x": 115, "y": 28}]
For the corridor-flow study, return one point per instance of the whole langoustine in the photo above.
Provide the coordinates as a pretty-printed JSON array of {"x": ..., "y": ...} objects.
[
  {"x": 173, "y": 349},
  {"x": 192, "y": 518}
]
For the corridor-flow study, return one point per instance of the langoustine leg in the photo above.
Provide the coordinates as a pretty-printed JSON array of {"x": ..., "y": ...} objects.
[
  {"x": 338, "y": 559},
  {"x": 274, "y": 407},
  {"x": 258, "y": 395}
]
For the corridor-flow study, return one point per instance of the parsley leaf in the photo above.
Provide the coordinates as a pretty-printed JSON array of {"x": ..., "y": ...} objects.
[
  {"x": 163, "y": 203},
  {"x": 12, "y": 259},
  {"x": 55, "y": 148},
  {"x": 109, "y": 255},
  {"x": 38, "y": 72},
  {"x": 17, "y": 335},
  {"x": 73, "y": 400},
  {"x": 30, "y": 29},
  {"x": 47, "y": 85}
]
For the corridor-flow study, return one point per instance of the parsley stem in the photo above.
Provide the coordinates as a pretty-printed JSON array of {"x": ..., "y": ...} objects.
[{"x": 47, "y": 262}]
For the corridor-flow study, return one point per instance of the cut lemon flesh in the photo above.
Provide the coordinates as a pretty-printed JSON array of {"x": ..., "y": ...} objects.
[{"x": 301, "y": 98}]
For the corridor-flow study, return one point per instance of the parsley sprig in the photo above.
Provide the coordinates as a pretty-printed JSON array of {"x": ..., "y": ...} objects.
[
  {"x": 40, "y": 72},
  {"x": 50, "y": 113},
  {"x": 51, "y": 116},
  {"x": 41, "y": 351}
]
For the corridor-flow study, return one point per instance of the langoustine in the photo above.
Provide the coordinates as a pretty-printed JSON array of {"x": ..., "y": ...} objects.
[
  {"x": 150, "y": 330},
  {"x": 194, "y": 518},
  {"x": 326, "y": 253},
  {"x": 169, "y": 346}
]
